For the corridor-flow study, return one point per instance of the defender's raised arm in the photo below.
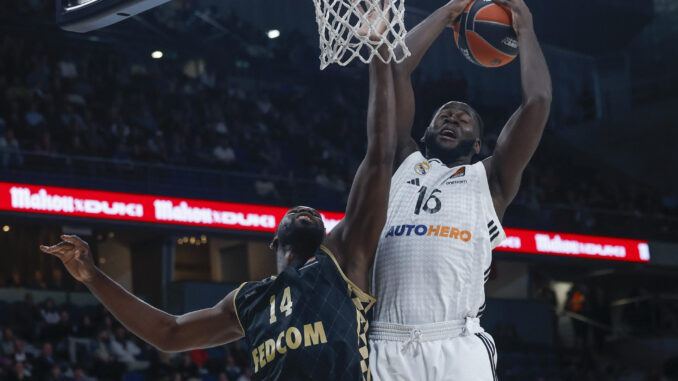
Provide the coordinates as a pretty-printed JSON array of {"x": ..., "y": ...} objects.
[{"x": 355, "y": 238}]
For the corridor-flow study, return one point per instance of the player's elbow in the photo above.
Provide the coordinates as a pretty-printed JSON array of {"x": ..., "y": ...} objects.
[
  {"x": 541, "y": 99},
  {"x": 167, "y": 337}
]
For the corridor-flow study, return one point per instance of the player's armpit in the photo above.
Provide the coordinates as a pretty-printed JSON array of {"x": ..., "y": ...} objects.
[{"x": 205, "y": 328}]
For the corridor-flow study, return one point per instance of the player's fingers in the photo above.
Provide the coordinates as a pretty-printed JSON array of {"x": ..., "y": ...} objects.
[
  {"x": 75, "y": 241},
  {"x": 359, "y": 6},
  {"x": 57, "y": 250}
]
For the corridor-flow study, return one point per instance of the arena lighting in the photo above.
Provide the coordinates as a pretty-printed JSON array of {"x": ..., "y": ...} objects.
[
  {"x": 72, "y": 202},
  {"x": 5, "y": 228},
  {"x": 273, "y": 33},
  {"x": 157, "y": 54}
]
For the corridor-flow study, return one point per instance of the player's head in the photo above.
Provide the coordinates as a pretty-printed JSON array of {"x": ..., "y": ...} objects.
[
  {"x": 455, "y": 133},
  {"x": 298, "y": 236}
]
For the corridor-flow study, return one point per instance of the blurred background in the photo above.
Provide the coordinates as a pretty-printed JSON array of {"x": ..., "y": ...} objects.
[{"x": 224, "y": 101}]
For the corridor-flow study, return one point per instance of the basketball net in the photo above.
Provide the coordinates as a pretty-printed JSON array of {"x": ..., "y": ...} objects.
[{"x": 345, "y": 27}]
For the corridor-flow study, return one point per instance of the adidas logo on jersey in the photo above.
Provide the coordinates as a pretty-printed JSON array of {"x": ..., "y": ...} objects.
[{"x": 414, "y": 182}]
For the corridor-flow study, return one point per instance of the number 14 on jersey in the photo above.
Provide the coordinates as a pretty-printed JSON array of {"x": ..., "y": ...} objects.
[{"x": 285, "y": 305}]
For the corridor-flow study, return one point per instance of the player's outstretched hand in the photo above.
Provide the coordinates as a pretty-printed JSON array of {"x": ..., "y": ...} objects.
[
  {"x": 75, "y": 255},
  {"x": 375, "y": 20},
  {"x": 522, "y": 17},
  {"x": 456, "y": 8}
]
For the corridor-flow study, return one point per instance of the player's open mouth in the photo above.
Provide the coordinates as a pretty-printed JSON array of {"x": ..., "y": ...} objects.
[
  {"x": 448, "y": 133},
  {"x": 305, "y": 217}
]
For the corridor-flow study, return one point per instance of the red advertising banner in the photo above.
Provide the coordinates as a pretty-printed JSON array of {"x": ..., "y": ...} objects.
[
  {"x": 575, "y": 245},
  {"x": 74, "y": 202},
  {"x": 144, "y": 208}
]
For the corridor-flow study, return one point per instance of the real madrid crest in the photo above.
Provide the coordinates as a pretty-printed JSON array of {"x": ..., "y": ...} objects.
[{"x": 422, "y": 168}]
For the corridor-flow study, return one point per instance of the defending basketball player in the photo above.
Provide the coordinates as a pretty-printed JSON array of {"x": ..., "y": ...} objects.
[
  {"x": 309, "y": 322},
  {"x": 444, "y": 218}
]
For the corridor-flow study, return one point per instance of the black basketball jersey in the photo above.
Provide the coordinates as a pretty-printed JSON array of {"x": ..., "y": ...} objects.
[{"x": 308, "y": 323}]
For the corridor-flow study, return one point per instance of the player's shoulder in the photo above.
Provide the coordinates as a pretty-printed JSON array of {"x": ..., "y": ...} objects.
[
  {"x": 249, "y": 291},
  {"x": 414, "y": 161},
  {"x": 328, "y": 261}
]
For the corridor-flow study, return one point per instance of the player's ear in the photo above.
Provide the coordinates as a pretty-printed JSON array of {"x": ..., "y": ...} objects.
[
  {"x": 274, "y": 244},
  {"x": 477, "y": 145}
]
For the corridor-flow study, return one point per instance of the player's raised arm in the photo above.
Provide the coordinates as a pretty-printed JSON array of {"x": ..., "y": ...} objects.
[
  {"x": 198, "y": 329},
  {"x": 354, "y": 240},
  {"x": 418, "y": 41},
  {"x": 521, "y": 135}
]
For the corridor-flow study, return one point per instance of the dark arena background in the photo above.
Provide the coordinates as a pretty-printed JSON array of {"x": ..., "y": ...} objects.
[{"x": 127, "y": 134}]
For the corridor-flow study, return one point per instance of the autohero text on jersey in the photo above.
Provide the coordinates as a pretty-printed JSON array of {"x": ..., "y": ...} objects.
[
  {"x": 290, "y": 338},
  {"x": 430, "y": 230}
]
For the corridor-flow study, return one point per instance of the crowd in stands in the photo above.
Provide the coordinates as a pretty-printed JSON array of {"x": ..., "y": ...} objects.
[{"x": 48, "y": 342}]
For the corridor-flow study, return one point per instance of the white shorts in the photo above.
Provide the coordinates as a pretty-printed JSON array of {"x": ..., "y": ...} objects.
[{"x": 454, "y": 351}]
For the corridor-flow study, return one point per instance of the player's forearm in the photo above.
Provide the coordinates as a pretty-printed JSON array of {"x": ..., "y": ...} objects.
[
  {"x": 381, "y": 137},
  {"x": 534, "y": 72},
  {"x": 144, "y": 320},
  {"x": 420, "y": 38}
]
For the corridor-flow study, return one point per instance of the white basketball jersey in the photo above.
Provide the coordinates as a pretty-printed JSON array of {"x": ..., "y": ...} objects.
[{"x": 435, "y": 251}]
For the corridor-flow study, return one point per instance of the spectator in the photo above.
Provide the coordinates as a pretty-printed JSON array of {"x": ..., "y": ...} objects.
[
  {"x": 577, "y": 304},
  {"x": 58, "y": 282},
  {"x": 105, "y": 365},
  {"x": 80, "y": 375},
  {"x": 7, "y": 342},
  {"x": 233, "y": 371},
  {"x": 19, "y": 351},
  {"x": 56, "y": 374},
  {"x": 10, "y": 153},
  {"x": 26, "y": 317},
  {"x": 49, "y": 313},
  {"x": 246, "y": 375},
  {"x": 126, "y": 351},
  {"x": 44, "y": 364},
  {"x": 38, "y": 280},
  {"x": 15, "y": 280},
  {"x": 224, "y": 153},
  {"x": 20, "y": 373},
  {"x": 265, "y": 187},
  {"x": 186, "y": 368}
]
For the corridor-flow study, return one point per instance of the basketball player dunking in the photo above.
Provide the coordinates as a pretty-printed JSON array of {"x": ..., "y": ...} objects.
[
  {"x": 309, "y": 322},
  {"x": 444, "y": 218}
]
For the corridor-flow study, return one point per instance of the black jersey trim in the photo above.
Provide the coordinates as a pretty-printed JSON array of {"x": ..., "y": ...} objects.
[
  {"x": 364, "y": 296},
  {"x": 235, "y": 307}
]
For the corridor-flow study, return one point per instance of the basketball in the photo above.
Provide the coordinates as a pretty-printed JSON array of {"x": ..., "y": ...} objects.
[{"x": 484, "y": 34}]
